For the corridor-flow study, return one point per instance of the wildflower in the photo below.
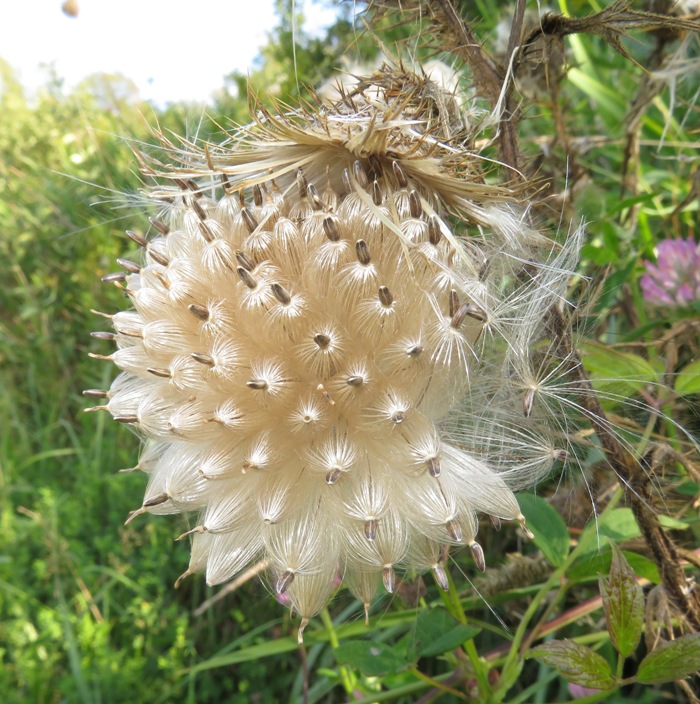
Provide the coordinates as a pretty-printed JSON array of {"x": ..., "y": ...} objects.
[
  {"x": 319, "y": 363},
  {"x": 675, "y": 278},
  {"x": 578, "y": 691}
]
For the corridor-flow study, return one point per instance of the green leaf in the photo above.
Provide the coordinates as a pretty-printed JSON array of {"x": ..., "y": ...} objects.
[
  {"x": 615, "y": 527},
  {"x": 673, "y": 523},
  {"x": 592, "y": 565},
  {"x": 436, "y": 632},
  {"x": 576, "y": 663},
  {"x": 548, "y": 527},
  {"x": 623, "y": 601},
  {"x": 671, "y": 661},
  {"x": 688, "y": 380},
  {"x": 370, "y": 657},
  {"x": 619, "y": 374}
]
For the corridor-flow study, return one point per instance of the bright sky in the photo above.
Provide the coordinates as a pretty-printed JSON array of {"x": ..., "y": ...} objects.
[{"x": 172, "y": 49}]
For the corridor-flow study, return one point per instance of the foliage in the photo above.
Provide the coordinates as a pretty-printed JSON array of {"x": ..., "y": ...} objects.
[{"x": 87, "y": 611}]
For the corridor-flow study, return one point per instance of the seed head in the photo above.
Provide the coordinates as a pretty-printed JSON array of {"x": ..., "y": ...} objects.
[{"x": 310, "y": 327}]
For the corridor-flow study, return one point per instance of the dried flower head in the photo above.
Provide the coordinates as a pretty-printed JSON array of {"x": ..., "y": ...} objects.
[
  {"x": 335, "y": 377},
  {"x": 675, "y": 278}
]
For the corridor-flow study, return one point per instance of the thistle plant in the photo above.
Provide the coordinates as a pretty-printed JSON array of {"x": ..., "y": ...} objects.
[{"x": 331, "y": 351}]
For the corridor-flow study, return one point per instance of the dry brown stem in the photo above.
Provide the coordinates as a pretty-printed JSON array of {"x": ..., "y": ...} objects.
[{"x": 636, "y": 484}]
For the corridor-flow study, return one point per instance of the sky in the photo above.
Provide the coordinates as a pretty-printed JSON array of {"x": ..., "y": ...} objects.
[{"x": 172, "y": 49}]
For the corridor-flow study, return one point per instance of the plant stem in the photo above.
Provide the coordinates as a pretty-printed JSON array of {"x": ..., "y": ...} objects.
[
  {"x": 437, "y": 685},
  {"x": 346, "y": 675},
  {"x": 480, "y": 667},
  {"x": 512, "y": 662}
]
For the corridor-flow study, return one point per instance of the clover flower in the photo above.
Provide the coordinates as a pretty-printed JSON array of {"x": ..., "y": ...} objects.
[
  {"x": 333, "y": 334},
  {"x": 675, "y": 278}
]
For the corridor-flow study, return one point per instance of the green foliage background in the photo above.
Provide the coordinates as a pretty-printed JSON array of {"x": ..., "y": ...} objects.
[{"x": 87, "y": 609}]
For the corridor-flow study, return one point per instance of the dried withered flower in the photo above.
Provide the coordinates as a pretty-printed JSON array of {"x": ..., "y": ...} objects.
[{"x": 331, "y": 339}]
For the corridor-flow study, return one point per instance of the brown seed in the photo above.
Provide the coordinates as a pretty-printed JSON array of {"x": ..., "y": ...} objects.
[
  {"x": 477, "y": 313},
  {"x": 247, "y": 278},
  {"x": 249, "y": 219},
  {"x": 441, "y": 578},
  {"x": 414, "y": 350},
  {"x": 355, "y": 380},
  {"x": 201, "y": 214},
  {"x": 414, "y": 204},
  {"x": 140, "y": 241},
  {"x": 158, "y": 257},
  {"x": 156, "y": 500},
  {"x": 284, "y": 581},
  {"x": 257, "y": 384},
  {"x": 434, "y": 466},
  {"x": 127, "y": 419},
  {"x": 322, "y": 340},
  {"x": 459, "y": 316},
  {"x": 160, "y": 372},
  {"x": 399, "y": 174},
  {"x": 434, "y": 232},
  {"x": 110, "y": 336},
  {"x": 206, "y": 231},
  {"x": 302, "y": 184},
  {"x": 203, "y": 359},
  {"x": 398, "y": 417},
  {"x": 371, "y": 528},
  {"x": 244, "y": 260},
  {"x": 330, "y": 229},
  {"x": 226, "y": 185},
  {"x": 95, "y": 393},
  {"x": 316, "y": 202},
  {"x": 199, "y": 311},
  {"x": 454, "y": 303},
  {"x": 454, "y": 530},
  {"x": 376, "y": 193},
  {"x": 389, "y": 578},
  {"x": 258, "y": 198},
  {"x": 117, "y": 277},
  {"x": 362, "y": 252},
  {"x": 484, "y": 269},
  {"x": 131, "y": 267},
  {"x": 333, "y": 476},
  {"x": 281, "y": 294},
  {"x": 478, "y": 555},
  {"x": 360, "y": 174},
  {"x": 160, "y": 226},
  {"x": 385, "y": 297}
]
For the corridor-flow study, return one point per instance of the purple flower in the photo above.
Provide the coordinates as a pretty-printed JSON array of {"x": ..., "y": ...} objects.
[
  {"x": 577, "y": 691},
  {"x": 675, "y": 278}
]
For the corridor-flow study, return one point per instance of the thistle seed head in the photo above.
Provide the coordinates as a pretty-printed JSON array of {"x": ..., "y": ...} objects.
[{"x": 311, "y": 323}]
